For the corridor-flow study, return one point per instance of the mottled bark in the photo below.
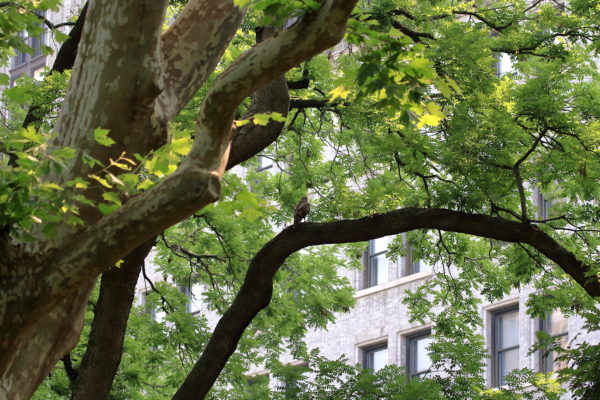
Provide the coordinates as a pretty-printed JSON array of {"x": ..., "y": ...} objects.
[
  {"x": 41, "y": 320},
  {"x": 105, "y": 345},
  {"x": 117, "y": 80},
  {"x": 191, "y": 50},
  {"x": 274, "y": 96},
  {"x": 103, "y": 353},
  {"x": 38, "y": 349},
  {"x": 131, "y": 81},
  {"x": 65, "y": 59}
]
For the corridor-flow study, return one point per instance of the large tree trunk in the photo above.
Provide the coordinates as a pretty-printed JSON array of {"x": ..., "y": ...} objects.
[
  {"x": 54, "y": 334},
  {"x": 103, "y": 353},
  {"x": 105, "y": 345}
]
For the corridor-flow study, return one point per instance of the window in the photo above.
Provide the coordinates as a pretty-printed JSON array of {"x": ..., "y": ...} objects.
[
  {"x": 505, "y": 342},
  {"x": 157, "y": 313},
  {"x": 195, "y": 298},
  {"x": 292, "y": 375},
  {"x": 20, "y": 58},
  {"x": 504, "y": 64},
  {"x": 258, "y": 387},
  {"x": 556, "y": 325},
  {"x": 377, "y": 264},
  {"x": 264, "y": 163},
  {"x": 544, "y": 206},
  {"x": 375, "y": 357},
  {"x": 35, "y": 42},
  {"x": 416, "y": 264},
  {"x": 418, "y": 362}
]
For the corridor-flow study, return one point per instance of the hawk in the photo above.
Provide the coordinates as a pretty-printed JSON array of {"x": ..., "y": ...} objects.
[{"x": 302, "y": 210}]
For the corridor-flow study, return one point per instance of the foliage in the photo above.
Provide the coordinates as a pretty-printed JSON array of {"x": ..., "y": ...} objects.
[{"x": 415, "y": 115}]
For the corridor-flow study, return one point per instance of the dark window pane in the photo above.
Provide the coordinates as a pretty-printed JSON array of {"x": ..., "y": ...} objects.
[
  {"x": 379, "y": 269},
  {"x": 376, "y": 358}
]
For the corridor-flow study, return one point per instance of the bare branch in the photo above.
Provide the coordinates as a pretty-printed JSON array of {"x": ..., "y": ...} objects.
[{"x": 69, "y": 370}]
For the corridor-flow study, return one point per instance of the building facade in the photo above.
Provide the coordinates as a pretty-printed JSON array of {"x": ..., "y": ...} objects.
[{"x": 33, "y": 64}]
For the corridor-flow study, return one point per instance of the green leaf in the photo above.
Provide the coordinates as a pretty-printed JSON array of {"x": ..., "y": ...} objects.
[
  {"x": 275, "y": 116},
  {"x": 59, "y": 36},
  {"x": 251, "y": 214},
  {"x": 182, "y": 146},
  {"x": 30, "y": 133},
  {"x": 111, "y": 197},
  {"x": 100, "y": 180},
  {"x": 340, "y": 92},
  {"x": 101, "y": 137},
  {"x": 49, "y": 230},
  {"x": 78, "y": 183},
  {"x": 64, "y": 153},
  {"x": 241, "y": 3},
  {"x": 146, "y": 184},
  {"x": 261, "y": 119},
  {"x": 107, "y": 209}
]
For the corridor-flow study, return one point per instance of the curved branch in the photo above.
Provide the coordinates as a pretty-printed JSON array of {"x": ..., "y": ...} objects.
[{"x": 256, "y": 291}]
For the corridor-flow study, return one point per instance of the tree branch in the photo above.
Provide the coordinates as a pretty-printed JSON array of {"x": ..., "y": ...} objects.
[
  {"x": 300, "y": 84},
  {"x": 188, "y": 57},
  {"x": 311, "y": 103},
  {"x": 256, "y": 291},
  {"x": 274, "y": 96},
  {"x": 69, "y": 370},
  {"x": 105, "y": 345}
]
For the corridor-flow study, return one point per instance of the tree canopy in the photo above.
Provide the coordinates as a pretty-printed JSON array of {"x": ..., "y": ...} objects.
[{"x": 437, "y": 120}]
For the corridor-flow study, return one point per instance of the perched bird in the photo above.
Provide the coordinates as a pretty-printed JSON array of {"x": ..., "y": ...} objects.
[{"x": 302, "y": 210}]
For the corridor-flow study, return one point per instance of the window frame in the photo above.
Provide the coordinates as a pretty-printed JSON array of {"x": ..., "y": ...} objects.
[
  {"x": 369, "y": 270},
  {"x": 544, "y": 326},
  {"x": 411, "y": 263},
  {"x": 544, "y": 205},
  {"x": 414, "y": 263},
  {"x": 496, "y": 351},
  {"x": 368, "y": 354},
  {"x": 411, "y": 354},
  {"x": 36, "y": 43}
]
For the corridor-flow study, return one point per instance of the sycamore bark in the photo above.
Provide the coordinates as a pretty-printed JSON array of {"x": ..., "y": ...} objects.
[{"x": 132, "y": 79}]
